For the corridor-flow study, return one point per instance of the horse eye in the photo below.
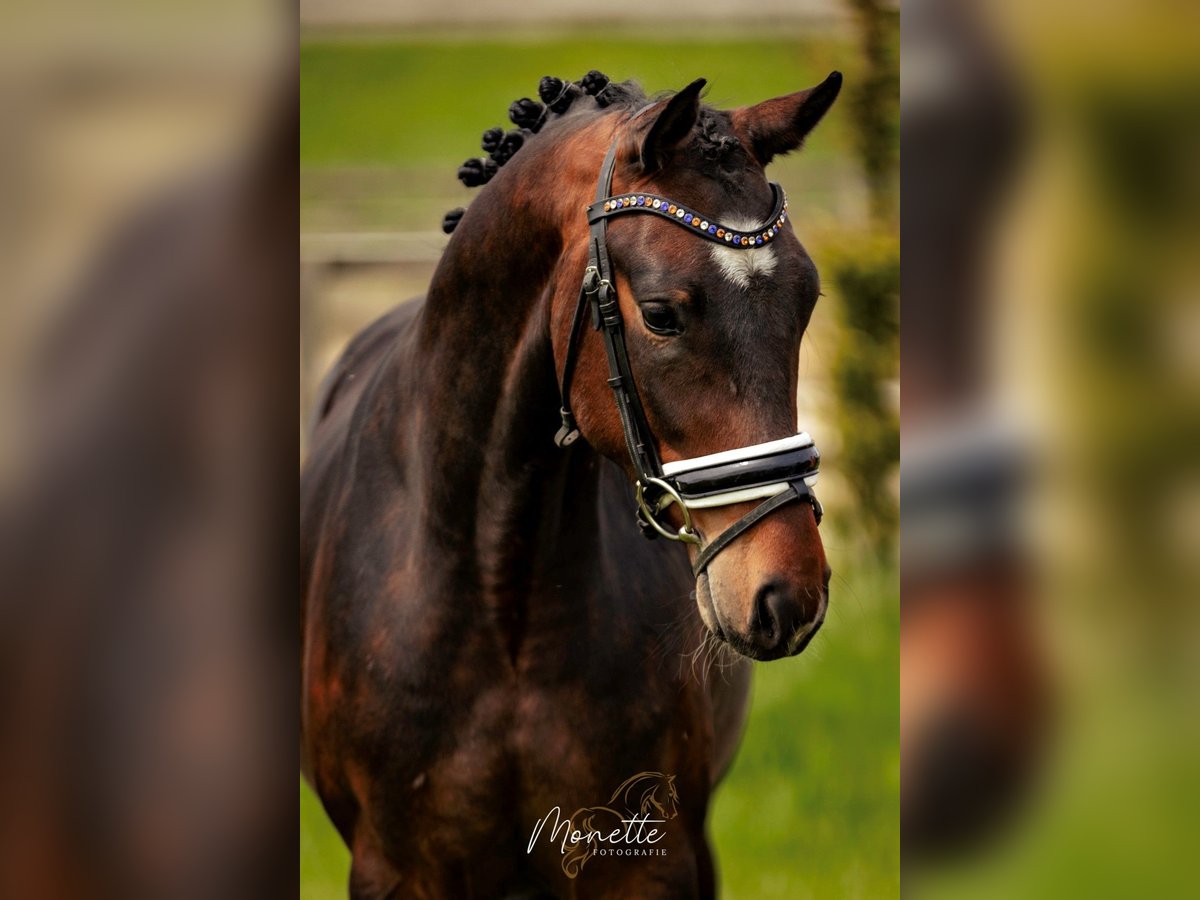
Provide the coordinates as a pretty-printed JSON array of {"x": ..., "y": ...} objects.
[{"x": 661, "y": 319}]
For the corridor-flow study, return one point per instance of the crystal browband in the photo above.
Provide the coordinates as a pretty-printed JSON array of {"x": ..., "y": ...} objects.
[{"x": 681, "y": 215}]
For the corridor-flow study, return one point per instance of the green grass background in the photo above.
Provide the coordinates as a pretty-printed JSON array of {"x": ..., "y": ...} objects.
[{"x": 811, "y": 807}]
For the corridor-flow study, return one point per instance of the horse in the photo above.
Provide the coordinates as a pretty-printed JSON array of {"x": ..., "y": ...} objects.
[{"x": 486, "y": 632}]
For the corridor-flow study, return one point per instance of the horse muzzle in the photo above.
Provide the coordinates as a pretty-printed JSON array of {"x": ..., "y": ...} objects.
[
  {"x": 776, "y": 619},
  {"x": 762, "y": 583}
]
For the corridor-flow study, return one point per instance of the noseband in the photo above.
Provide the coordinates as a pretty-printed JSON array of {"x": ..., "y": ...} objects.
[{"x": 776, "y": 472}]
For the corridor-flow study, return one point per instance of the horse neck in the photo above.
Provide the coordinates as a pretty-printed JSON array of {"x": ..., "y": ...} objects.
[{"x": 486, "y": 370}]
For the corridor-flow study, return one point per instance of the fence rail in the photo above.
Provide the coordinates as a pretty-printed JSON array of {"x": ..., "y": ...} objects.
[{"x": 371, "y": 247}]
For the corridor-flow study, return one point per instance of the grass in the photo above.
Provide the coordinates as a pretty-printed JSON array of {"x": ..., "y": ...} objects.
[
  {"x": 324, "y": 859},
  {"x": 811, "y": 807}
]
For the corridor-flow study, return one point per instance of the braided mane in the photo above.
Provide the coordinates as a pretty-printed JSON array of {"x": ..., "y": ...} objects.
[
  {"x": 557, "y": 97},
  {"x": 529, "y": 116}
]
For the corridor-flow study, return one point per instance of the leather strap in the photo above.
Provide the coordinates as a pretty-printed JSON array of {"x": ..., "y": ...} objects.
[
  {"x": 797, "y": 490},
  {"x": 568, "y": 433}
]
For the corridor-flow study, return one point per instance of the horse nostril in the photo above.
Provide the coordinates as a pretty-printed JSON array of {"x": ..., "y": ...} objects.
[
  {"x": 766, "y": 615},
  {"x": 786, "y": 615},
  {"x": 780, "y": 614}
]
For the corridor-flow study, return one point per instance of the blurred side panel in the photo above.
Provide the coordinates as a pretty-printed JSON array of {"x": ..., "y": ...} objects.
[
  {"x": 148, "y": 269},
  {"x": 1050, "y": 519}
]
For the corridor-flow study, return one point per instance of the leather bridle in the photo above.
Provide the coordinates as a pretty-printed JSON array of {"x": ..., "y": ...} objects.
[{"x": 777, "y": 472}]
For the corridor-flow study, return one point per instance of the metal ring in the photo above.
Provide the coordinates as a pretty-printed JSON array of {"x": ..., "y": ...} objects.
[{"x": 686, "y": 533}]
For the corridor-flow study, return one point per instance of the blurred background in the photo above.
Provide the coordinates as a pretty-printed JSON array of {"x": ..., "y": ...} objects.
[
  {"x": 147, "y": 379},
  {"x": 147, "y": 449},
  {"x": 1050, "y": 641},
  {"x": 394, "y": 96}
]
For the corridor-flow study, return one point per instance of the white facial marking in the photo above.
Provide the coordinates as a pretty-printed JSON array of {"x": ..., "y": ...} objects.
[{"x": 743, "y": 266}]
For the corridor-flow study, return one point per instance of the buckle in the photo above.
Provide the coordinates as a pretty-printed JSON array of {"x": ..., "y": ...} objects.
[
  {"x": 565, "y": 436},
  {"x": 568, "y": 433},
  {"x": 818, "y": 509},
  {"x": 605, "y": 312},
  {"x": 666, "y": 498}
]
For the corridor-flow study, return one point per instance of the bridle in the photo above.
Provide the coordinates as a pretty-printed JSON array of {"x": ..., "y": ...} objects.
[{"x": 777, "y": 472}]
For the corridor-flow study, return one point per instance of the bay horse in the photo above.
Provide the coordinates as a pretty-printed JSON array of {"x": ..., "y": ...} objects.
[{"x": 486, "y": 632}]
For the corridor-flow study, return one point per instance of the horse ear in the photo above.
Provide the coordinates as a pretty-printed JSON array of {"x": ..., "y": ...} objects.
[
  {"x": 779, "y": 126},
  {"x": 671, "y": 128}
]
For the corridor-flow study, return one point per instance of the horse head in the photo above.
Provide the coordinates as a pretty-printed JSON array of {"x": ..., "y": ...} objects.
[{"x": 712, "y": 308}]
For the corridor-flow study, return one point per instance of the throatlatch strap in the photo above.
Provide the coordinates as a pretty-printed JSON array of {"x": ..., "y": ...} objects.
[{"x": 568, "y": 433}]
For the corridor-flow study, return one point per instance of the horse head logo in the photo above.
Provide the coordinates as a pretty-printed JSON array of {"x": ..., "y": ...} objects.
[{"x": 647, "y": 794}]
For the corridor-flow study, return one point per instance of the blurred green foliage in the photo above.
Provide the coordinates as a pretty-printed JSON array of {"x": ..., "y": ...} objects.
[
  {"x": 865, "y": 273},
  {"x": 875, "y": 105}
]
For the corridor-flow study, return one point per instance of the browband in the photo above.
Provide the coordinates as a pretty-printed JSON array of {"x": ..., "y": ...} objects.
[{"x": 742, "y": 238}]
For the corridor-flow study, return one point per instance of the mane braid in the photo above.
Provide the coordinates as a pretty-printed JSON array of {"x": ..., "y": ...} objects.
[{"x": 558, "y": 97}]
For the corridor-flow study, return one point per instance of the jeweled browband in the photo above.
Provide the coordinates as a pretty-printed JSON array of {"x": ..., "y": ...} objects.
[{"x": 745, "y": 238}]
